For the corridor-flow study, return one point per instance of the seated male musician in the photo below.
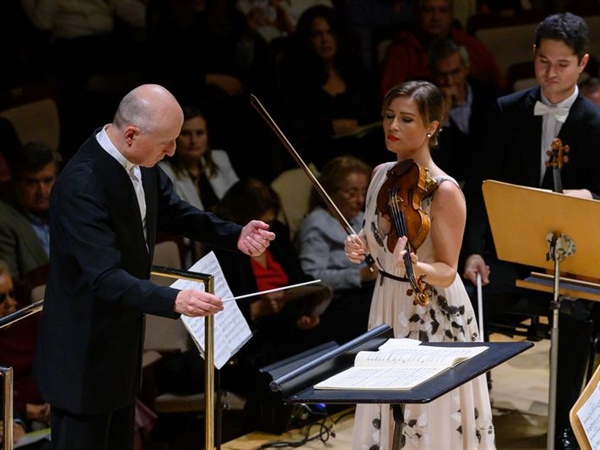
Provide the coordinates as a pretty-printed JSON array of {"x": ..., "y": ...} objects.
[{"x": 520, "y": 130}]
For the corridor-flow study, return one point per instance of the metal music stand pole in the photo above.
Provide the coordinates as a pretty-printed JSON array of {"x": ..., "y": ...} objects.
[
  {"x": 555, "y": 307},
  {"x": 7, "y": 373},
  {"x": 209, "y": 350}
]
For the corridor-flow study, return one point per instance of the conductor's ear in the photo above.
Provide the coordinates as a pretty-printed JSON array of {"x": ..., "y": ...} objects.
[{"x": 130, "y": 133}]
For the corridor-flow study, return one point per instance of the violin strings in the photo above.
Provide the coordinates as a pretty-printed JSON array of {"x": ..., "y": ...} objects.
[{"x": 399, "y": 222}]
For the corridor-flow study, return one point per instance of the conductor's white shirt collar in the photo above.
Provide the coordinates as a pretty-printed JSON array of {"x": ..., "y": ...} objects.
[{"x": 109, "y": 147}]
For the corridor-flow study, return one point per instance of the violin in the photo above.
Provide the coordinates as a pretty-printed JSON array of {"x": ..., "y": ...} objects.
[
  {"x": 557, "y": 156},
  {"x": 399, "y": 200}
]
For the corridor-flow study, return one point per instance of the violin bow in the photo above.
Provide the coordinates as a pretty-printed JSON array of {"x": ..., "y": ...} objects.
[{"x": 330, "y": 204}]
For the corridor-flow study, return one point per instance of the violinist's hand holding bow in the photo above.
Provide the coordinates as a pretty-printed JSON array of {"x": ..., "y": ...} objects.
[
  {"x": 356, "y": 247},
  {"x": 255, "y": 238}
]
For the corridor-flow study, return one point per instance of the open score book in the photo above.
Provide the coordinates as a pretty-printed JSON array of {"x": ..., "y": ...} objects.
[{"x": 400, "y": 368}]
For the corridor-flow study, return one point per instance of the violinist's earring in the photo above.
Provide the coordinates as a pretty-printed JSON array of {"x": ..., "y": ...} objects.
[{"x": 429, "y": 135}]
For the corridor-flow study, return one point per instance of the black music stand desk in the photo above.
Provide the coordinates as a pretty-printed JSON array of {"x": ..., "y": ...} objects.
[{"x": 297, "y": 386}]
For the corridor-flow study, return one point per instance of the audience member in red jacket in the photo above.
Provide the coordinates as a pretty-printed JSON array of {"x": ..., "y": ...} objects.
[{"x": 407, "y": 57}]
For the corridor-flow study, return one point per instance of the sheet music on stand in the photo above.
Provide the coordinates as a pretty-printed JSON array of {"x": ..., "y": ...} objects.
[{"x": 231, "y": 330}]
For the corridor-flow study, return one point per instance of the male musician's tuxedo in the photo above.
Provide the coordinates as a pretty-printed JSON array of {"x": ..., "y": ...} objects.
[
  {"x": 512, "y": 153},
  {"x": 89, "y": 349}
]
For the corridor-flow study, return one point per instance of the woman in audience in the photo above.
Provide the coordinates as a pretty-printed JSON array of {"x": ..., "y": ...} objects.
[
  {"x": 200, "y": 174},
  {"x": 320, "y": 242},
  {"x": 277, "y": 267},
  {"x": 325, "y": 93},
  {"x": 226, "y": 59},
  {"x": 280, "y": 327}
]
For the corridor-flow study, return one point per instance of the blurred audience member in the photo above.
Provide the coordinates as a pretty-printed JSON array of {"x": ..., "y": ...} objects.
[
  {"x": 280, "y": 327},
  {"x": 277, "y": 18},
  {"x": 407, "y": 57},
  {"x": 17, "y": 347},
  {"x": 326, "y": 95},
  {"x": 229, "y": 61},
  {"x": 229, "y": 55},
  {"x": 22, "y": 46},
  {"x": 277, "y": 267},
  {"x": 320, "y": 243},
  {"x": 10, "y": 146},
  {"x": 371, "y": 20},
  {"x": 87, "y": 38},
  {"x": 590, "y": 87},
  {"x": 201, "y": 175},
  {"x": 466, "y": 102},
  {"x": 24, "y": 222}
]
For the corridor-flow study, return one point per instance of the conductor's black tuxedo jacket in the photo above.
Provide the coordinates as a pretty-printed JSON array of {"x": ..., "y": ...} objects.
[{"x": 90, "y": 343}]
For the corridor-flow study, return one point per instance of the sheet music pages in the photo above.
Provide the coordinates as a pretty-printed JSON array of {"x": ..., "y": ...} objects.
[
  {"x": 231, "y": 330},
  {"x": 398, "y": 368},
  {"x": 589, "y": 415}
]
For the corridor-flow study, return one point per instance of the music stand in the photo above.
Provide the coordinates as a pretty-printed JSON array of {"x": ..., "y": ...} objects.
[
  {"x": 529, "y": 226},
  {"x": 297, "y": 386}
]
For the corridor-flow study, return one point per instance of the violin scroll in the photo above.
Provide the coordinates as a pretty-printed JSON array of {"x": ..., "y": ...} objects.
[
  {"x": 557, "y": 154},
  {"x": 557, "y": 157}
]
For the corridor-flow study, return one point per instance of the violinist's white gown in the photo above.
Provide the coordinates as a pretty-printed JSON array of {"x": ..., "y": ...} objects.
[{"x": 461, "y": 419}]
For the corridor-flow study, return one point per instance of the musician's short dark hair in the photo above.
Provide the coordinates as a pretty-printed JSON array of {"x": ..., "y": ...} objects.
[
  {"x": 568, "y": 28},
  {"x": 34, "y": 156}
]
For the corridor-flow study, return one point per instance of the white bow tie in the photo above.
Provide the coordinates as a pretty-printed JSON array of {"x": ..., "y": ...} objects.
[{"x": 560, "y": 113}]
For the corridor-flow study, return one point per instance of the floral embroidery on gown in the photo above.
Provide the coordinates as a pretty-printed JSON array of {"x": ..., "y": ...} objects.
[{"x": 460, "y": 419}]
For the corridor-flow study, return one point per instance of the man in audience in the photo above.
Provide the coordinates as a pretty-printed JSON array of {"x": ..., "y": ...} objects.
[
  {"x": 518, "y": 133},
  {"x": 590, "y": 87},
  {"x": 466, "y": 99},
  {"x": 24, "y": 227},
  {"x": 407, "y": 57}
]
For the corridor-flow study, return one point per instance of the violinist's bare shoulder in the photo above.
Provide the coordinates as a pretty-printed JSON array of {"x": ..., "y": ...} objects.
[{"x": 448, "y": 195}]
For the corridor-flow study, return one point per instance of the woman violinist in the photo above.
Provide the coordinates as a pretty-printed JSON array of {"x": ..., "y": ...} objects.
[{"x": 433, "y": 306}]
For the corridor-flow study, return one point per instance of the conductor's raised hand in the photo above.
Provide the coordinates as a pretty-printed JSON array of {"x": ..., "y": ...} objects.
[
  {"x": 196, "y": 303},
  {"x": 255, "y": 238},
  {"x": 356, "y": 248}
]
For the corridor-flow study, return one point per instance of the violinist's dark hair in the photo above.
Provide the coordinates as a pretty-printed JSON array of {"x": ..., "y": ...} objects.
[
  {"x": 429, "y": 100},
  {"x": 247, "y": 199},
  {"x": 334, "y": 174},
  {"x": 568, "y": 28}
]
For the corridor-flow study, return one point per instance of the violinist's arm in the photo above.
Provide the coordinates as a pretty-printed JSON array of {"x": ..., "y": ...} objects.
[{"x": 448, "y": 215}]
